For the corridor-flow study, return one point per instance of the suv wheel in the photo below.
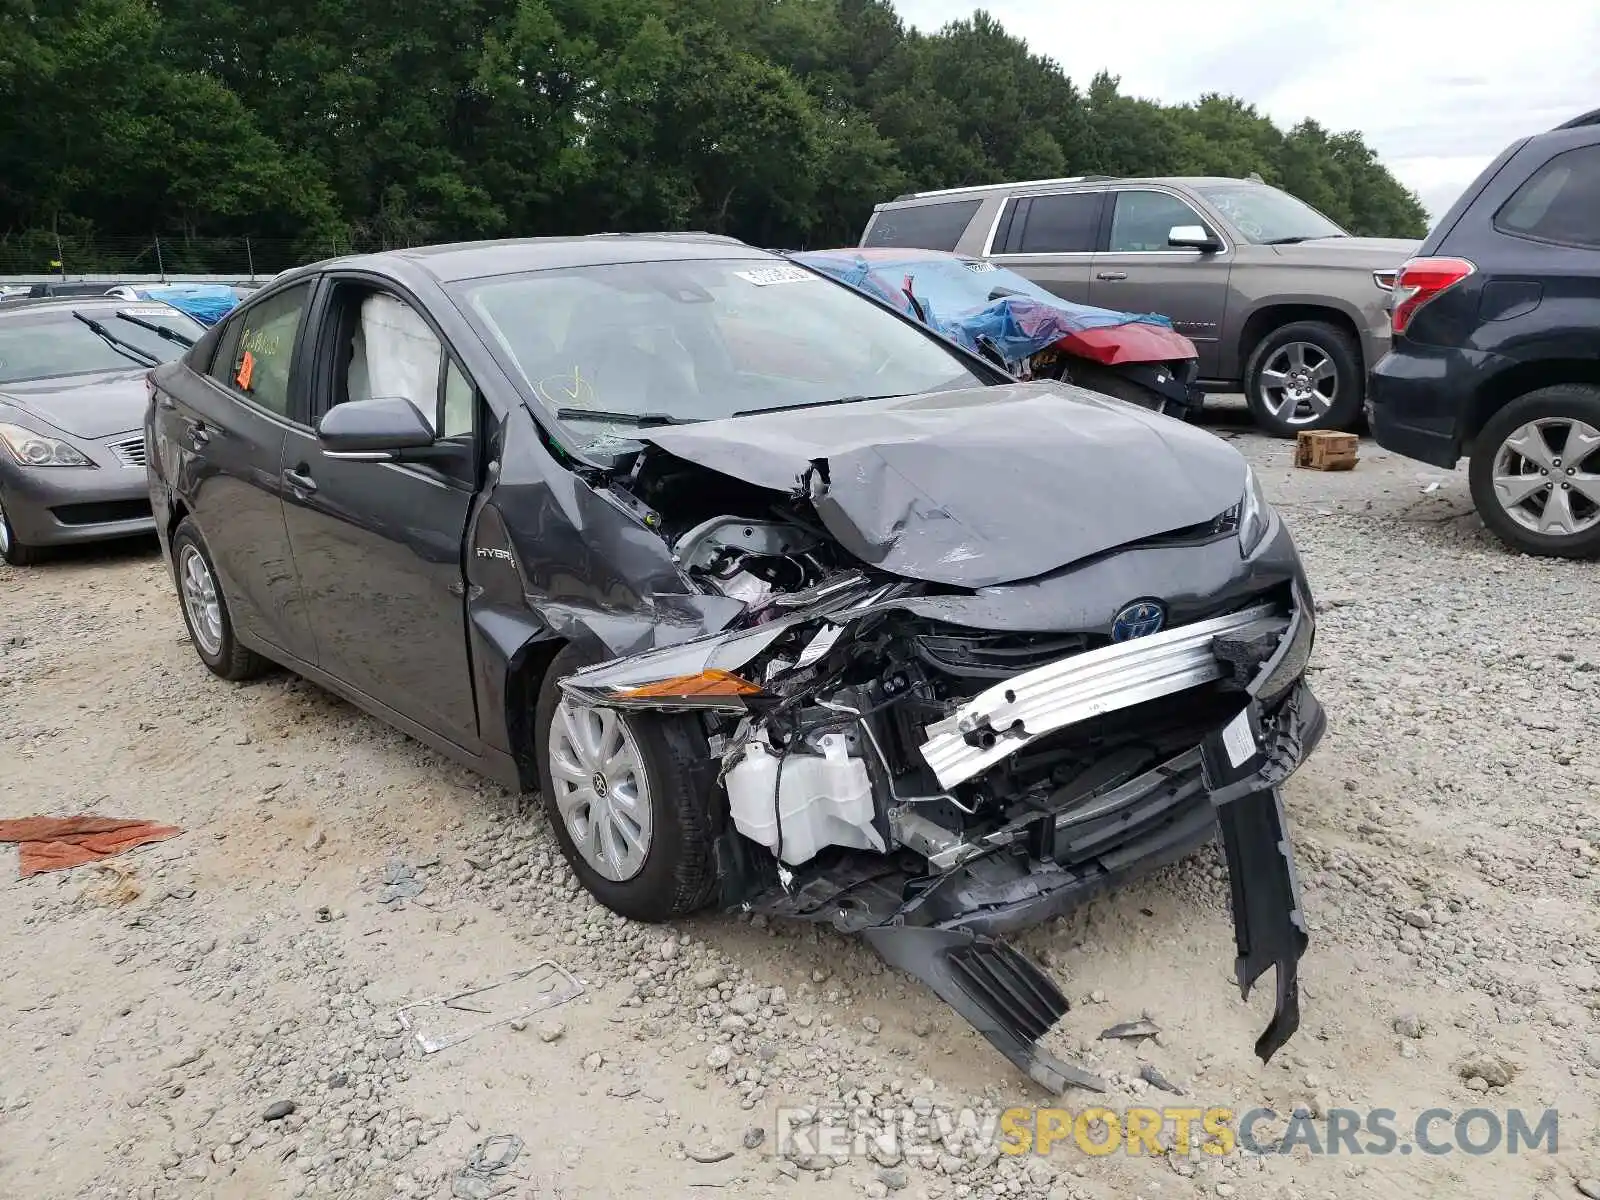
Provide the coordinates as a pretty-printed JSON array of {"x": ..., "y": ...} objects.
[
  {"x": 1535, "y": 472},
  {"x": 632, "y": 798},
  {"x": 205, "y": 609},
  {"x": 1306, "y": 375},
  {"x": 12, "y": 551}
]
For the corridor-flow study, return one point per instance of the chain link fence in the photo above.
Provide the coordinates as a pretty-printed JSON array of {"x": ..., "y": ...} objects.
[{"x": 44, "y": 253}]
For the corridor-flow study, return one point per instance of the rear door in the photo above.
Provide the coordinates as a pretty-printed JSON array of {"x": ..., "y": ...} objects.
[
  {"x": 1050, "y": 238},
  {"x": 1137, "y": 271},
  {"x": 379, "y": 544},
  {"x": 223, "y": 433}
]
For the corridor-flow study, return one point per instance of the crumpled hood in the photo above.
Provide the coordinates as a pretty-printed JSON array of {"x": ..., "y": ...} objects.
[
  {"x": 978, "y": 487},
  {"x": 86, "y": 406}
]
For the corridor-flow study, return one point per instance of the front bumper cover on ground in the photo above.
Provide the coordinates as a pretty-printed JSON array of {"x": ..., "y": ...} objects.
[{"x": 1218, "y": 787}]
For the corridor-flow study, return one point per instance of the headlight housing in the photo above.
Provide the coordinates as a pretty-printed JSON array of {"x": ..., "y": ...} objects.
[
  {"x": 36, "y": 450},
  {"x": 1255, "y": 515}
]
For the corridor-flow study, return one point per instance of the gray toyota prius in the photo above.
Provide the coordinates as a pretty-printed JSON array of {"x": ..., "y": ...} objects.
[
  {"x": 72, "y": 401},
  {"x": 781, "y": 601}
]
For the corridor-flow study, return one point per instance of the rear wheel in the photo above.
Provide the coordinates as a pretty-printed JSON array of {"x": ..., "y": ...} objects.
[
  {"x": 12, "y": 551},
  {"x": 632, "y": 798},
  {"x": 205, "y": 609},
  {"x": 1306, "y": 375},
  {"x": 1535, "y": 472}
]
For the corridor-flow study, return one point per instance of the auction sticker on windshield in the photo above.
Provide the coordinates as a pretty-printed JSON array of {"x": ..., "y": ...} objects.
[
  {"x": 766, "y": 276},
  {"x": 145, "y": 310}
]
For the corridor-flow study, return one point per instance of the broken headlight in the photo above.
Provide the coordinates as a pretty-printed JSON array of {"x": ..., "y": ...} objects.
[{"x": 1255, "y": 515}]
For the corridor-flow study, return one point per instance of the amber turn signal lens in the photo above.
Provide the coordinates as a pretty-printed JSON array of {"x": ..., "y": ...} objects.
[{"x": 706, "y": 683}]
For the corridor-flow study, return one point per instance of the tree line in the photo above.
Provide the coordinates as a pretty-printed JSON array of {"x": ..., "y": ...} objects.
[{"x": 348, "y": 122}]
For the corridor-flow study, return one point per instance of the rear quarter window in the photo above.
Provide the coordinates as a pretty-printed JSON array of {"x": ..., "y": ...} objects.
[
  {"x": 1559, "y": 203},
  {"x": 922, "y": 226}
]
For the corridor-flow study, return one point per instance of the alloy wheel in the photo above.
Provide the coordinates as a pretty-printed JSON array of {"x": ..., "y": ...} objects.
[
  {"x": 1547, "y": 476},
  {"x": 1298, "y": 383},
  {"x": 200, "y": 600},
  {"x": 5, "y": 533},
  {"x": 602, "y": 791}
]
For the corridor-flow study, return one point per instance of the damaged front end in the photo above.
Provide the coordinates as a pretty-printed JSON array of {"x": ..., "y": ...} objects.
[{"x": 933, "y": 783}]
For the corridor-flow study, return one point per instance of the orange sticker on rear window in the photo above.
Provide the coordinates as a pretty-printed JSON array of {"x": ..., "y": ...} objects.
[{"x": 247, "y": 368}]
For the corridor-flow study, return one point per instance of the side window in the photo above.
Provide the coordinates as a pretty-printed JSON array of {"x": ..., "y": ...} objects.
[
  {"x": 922, "y": 226},
  {"x": 1066, "y": 223},
  {"x": 392, "y": 353},
  {"x": 1142, "y": 220},
  {"x": 1558, "y": 202},
  {"x": 257, "y": 351},
  {"x": 455, "y": 406}
]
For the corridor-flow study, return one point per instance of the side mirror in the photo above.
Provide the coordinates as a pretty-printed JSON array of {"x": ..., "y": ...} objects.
[
  {"x": 1193, "y": 237},
  {"x": 373, "y": 430}
]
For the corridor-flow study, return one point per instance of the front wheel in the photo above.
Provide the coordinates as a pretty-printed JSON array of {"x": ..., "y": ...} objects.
[
  {"x": 1535, "y": 472},
  {"x": 632, "y": 798},
  {"x": 1306, "y": 375},
  {"x": 16, "y": 553}
]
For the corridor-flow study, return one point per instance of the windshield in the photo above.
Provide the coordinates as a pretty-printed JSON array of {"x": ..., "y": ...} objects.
[
  {"x": 609, "y": 348},
  {"x": 1265, "y": 216},
  {"x": 43, "y": 345}
]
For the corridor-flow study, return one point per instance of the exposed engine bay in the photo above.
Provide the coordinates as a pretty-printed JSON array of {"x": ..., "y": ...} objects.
[{"x": 932, "y": 784}]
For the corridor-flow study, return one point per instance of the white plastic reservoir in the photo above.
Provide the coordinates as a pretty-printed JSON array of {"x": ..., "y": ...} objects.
[{"x": 826, "y": 799}]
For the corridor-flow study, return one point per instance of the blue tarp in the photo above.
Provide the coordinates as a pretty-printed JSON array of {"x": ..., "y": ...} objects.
[
  {"x": 954, "y": 295},
  {"x": 207, "y": 303}
]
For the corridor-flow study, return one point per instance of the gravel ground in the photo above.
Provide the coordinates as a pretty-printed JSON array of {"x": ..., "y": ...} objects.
[{"x": 162, "y": 1009}]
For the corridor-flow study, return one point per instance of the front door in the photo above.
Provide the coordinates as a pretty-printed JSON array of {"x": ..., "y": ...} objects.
[
  {"x": 1139, "y": 272},
  {"x": 379, "y": 544},
  {"x": 227, "y": 429}
]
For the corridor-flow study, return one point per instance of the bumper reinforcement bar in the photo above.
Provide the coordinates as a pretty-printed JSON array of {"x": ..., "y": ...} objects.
[{"x": 1005, "y": 718}]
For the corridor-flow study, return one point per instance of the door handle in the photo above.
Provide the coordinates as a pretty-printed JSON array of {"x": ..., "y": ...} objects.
[
  {"x": 299, "y": 482},
  {"x": 1111, "y": 276},
  {"x": 199, "y": 435},
  {"x": 165, "y": 402}
]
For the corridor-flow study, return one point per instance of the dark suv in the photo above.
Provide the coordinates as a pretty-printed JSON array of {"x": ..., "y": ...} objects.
[{"x": 1497, "y": 344}]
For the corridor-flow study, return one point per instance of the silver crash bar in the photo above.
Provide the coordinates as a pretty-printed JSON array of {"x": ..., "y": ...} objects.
[{"x": 1026, "y": 707}]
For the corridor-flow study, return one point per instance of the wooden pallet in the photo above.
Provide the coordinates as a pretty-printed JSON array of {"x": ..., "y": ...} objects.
[{"x": 1326, "y": 450}]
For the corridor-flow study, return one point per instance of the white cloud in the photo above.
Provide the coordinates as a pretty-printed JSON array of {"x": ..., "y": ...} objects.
[{"x": 1436, "y": 88}]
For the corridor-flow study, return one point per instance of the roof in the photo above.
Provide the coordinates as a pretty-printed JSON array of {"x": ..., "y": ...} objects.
[
  {"x": 67, "y": 304},
  {"x": 1025, "y": 184},
  {"x": 472, "y": 260},
  {"x": 1588, "y": 118}
]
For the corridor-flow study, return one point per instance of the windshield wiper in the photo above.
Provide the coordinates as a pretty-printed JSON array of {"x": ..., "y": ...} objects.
[
  {"x": 161, "y": 331},
  {"x": 756, "y": 412},
  {"x": 127, "y": 349},
  {"x": 1302, "y": 237},
  {"x": 622, "y": 418}
]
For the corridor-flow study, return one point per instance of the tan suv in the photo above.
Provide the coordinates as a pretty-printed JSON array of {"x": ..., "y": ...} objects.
[{"x": 1279, "y": 301}]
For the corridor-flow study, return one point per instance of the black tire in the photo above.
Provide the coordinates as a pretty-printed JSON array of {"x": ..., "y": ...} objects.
[
  {"x": 228, "y": 660},
  {"x": 1349, "y": 383},
  {"x": 687, "y": 810},
  {"x": 1560, "y": 402},
  {"x": 16, "y": 553}
]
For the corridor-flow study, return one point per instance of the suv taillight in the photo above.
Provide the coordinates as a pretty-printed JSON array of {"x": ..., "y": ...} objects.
[{"x": 1420, "y": 280}]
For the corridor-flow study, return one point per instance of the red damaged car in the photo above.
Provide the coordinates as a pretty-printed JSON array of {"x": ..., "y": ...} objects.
[{"x": 987, "y": 309}]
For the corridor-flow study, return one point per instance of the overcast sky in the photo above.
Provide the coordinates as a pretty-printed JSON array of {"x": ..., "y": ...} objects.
[{"x": 1437, "y": 88}]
